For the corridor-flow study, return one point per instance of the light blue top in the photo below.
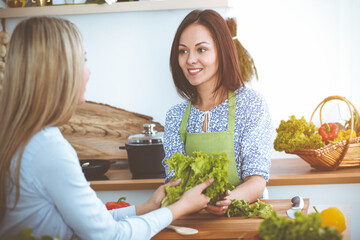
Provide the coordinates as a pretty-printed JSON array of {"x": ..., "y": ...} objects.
[
  {"x": 253, "y": 134},
  {"x": 55, "y": 198}
]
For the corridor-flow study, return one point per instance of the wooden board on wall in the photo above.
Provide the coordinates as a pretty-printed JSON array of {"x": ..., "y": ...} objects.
[{"x": 97, "y": 130}]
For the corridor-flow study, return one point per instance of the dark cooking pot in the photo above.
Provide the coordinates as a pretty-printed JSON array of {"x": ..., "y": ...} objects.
[
  {"x": 94, "y": 167},
  {"x": 145, "y": 153}
]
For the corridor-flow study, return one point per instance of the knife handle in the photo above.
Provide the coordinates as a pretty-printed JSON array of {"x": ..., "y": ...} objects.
[{"x": 298, "y": 202}]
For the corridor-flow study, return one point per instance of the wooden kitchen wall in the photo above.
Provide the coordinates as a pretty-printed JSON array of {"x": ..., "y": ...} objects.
[{"x": 97, "y": 130}]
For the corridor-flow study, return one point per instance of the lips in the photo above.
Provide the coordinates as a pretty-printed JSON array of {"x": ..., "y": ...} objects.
[{"x": 194, "y": 71}]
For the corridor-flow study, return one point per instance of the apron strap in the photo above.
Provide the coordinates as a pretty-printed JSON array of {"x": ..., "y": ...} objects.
[
  {"x": 231, "y": 111},
  {"x": 231, "y": 116},
  {"x": 184, "y": 123}
]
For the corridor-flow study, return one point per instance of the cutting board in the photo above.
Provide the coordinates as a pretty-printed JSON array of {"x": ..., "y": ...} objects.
[
  {"x": 97, "y": 130},
  {"x": 215, "y": 227}
]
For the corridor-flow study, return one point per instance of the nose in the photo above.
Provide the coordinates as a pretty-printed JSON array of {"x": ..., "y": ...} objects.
[{"x": 192, "y": 58}]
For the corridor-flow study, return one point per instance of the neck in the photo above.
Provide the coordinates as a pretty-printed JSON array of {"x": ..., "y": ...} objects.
[{"x": 207, "y": 99}]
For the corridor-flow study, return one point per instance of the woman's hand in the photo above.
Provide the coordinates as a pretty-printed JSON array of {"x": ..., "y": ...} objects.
[
  {"x": 154, "y": 201},
  {"x": 221, "y": 206},
  {"x": 191, "y": 201},
  {"x": 251, "y": 190},
  {"x": 160, "y": 193}
]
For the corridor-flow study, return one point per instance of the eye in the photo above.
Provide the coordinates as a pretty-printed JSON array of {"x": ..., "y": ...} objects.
[
  {"x": 182, "y": 51},
  {"x": 201, "y": 50}
]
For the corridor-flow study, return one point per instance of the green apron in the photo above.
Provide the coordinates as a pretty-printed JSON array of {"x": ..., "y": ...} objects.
[{"x": 209, "y": 142}]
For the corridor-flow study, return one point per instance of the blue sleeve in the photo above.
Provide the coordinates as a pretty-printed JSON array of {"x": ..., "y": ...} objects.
[
  {"x": 61, "y": 176},
  {"x": 172, "y": 139},
  {"x": 257, "y": 139}
]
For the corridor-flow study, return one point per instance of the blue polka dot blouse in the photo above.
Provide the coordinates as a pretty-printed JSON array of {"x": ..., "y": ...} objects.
[{"x": 253, "y": 135}]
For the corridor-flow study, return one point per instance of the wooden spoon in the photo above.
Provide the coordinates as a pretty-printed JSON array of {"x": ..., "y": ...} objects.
[{"x": 183, "y": 230}]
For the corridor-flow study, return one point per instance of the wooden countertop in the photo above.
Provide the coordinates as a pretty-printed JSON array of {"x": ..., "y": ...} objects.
[
  {"x": 292, "y": 171},
  {"x": 295, "y": 171},
  {"x": 215, "y": 227}
]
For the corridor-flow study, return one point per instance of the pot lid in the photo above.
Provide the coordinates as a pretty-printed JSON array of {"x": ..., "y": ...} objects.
[{"x": 149, "y": 135}]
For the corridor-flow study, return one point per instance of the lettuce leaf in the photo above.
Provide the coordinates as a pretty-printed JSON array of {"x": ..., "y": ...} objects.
[
  {"x": 240, "y": 208},
  {"x": 304, "y": 227},
  {"x": 195, "y": 170}
]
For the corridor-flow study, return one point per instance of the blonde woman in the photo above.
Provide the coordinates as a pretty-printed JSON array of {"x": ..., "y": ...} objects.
[{"x": 42, "y": 184}]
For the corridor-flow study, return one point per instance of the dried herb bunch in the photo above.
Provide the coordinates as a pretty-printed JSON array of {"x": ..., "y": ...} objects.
[
  {"x": 4, "y": 41},
  {"x": 246, "y": 62}
]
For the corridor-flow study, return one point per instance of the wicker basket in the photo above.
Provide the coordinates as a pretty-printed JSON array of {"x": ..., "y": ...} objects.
[{"x": 333, "y": 156}]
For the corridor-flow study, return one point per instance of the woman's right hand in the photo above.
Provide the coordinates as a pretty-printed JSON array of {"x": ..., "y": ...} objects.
[{"x": 191, "y": 201}]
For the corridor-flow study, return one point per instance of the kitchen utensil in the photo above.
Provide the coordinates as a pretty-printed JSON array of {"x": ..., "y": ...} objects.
[
  {"x": 145, "y": 153},
  {"x": 298, "y": 205},
  {"x": 183, "y": 230},
  {"x": 94, "y": 167}
]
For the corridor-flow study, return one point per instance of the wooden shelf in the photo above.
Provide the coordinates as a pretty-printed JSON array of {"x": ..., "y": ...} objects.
[{"x": 74, "y": 9}]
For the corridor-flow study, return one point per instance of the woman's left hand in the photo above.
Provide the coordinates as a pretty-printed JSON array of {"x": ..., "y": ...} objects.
[
  {"x": 154, "y": 201},
  {"x": 160, "y": 193},
  {"x": 221, "y": 205}
]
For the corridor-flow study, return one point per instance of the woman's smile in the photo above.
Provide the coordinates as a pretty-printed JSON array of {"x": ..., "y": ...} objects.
[{"x": 194, "y": 71}]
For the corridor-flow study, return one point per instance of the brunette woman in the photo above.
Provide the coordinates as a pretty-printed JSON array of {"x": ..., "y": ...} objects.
[
  {"x": 42, "y": 184},
  {"x": 220, "y": 114}
]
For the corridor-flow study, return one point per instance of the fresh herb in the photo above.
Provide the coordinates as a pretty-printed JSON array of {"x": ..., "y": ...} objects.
[
  {"x": 246, "y": 62},
  {"x": 304, "y": 227},
  {"x": 240, "y": 208},
  {"x": 195, "y": 170},
  {"x": 356, "y": 119},
  {"x": 26, "y": 234},
  {"x": 297, "y": 134}
]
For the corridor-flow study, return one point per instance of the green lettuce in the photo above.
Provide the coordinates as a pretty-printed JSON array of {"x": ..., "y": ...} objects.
[
  {"x": 240, "y": 208},
  {"x": 304, "y": 227},
  {"x": 195, "y": 170},
  {"x": 297, "y": 134},
  {"x": 27, "y": 234}
]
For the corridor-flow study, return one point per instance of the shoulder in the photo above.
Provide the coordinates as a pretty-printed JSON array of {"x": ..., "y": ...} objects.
[
  {"x": 248, "y": 98},
  {"x": 46, "y": 153},
  {"x": 49, "y": 136},
  {"x": 176, "y": 111},
  {"x": 48, "y": 142},
  {"x": 248, "y": 95}
]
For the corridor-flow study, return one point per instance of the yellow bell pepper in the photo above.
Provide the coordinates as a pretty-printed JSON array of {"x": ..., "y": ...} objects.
[{"x": 344, "y": 135}]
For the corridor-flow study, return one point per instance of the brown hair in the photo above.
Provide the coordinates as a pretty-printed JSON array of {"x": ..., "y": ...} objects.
[
  {"x": 41, "y": 88},
  {"x": 228, "y": 70}
]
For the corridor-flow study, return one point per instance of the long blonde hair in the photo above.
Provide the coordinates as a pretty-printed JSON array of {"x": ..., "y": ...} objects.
[{"x": 41, "y": 88}]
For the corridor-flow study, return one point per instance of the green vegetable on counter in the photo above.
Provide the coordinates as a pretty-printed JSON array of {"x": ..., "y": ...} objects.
[
  {"x": 304, "y": 227},
  {"x": 26, "y": 234},
  {"x": 297, "y": 134},
  {"x": 195, "y": 170},
  {"x": 240, "y": 208}
]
